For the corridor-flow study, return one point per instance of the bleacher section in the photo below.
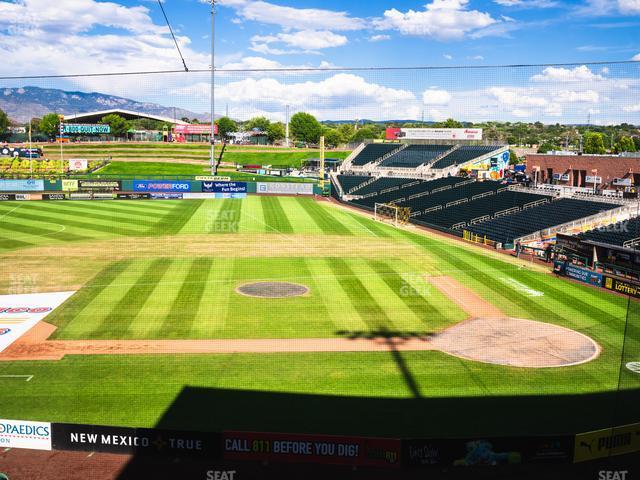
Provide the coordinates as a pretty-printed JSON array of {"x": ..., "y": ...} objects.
[
  {"x": 462, "y": 214},
  {"x": 403, "y": 194},
  {"x": 415, "y": 155},
  {"x": 617, "y": 234},
  {"x": 510, "y": 227},
  {"x": 385, "y": 183},
  {"x": 464, "y": 154},
  {"x": 351, "y": 181},
  {"x": 373, "y": 152}
]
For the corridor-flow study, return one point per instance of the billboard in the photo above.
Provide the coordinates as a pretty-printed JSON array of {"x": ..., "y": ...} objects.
[
  {"x": 607, "y": 442},
  {"x": 194, "y": 129},
  {"x": 69, "y": 185},
  {"x": 161, "y": 186},
  {"x": 434, "y": 133},
  {"x": 224, "y": 187},
  {"x": 84, "y": 129},
  {"x": 100, "y": 185},
  {"x": 21, "y": 185},
  {"x": 282, "y": 188},
  {"x": 25, "y": 434},
  {"x": 78, "y": 164}
]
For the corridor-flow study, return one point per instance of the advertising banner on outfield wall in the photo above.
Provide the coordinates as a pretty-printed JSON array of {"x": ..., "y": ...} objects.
[
  {"x": 100, "y": 185},
  {"x": 283, "y": 188},
  {"x": 54, "y": 196},
  {"x": 621, "y": 286},
  {"x": 609, "y": 441},
  {"x": 581, "y": 274},
  {"x": 160, "y": 186},
  {"x": 138, "y": 441},
  {"x": 487, "y": 452},
  {"x": 133, "y": 196},
  {"x": 224, "y": 187},
  {"x": 356, "y": 451},
  {"x": 5, "y": 197},
  {"x": 25, "y": 434},
  {"x": 21, "y": 185}
]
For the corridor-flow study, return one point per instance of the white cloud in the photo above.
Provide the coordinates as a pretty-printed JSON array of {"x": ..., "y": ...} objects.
[
  {"x": 515, "y": 97},
  {"x": 520, "y": 113},
  {"x": 632, "y": 108},
  {"x": 441, "y": 20},
  {"x": 629, "y": 7},
  {"x": 433, "y": 96},
  {"x": 609, "y": 7},
  {"x": 306, "y": 40},
  {"x": 379, "y": 38},
  {"x": 527, "y": 3},
  {"x": 476, "y": 57},
  {"x": 636, "y": 57},
  {"x": 560, "y": 74},
  {"x": 339, "y": 96},
  {"x": 447, "y": 56},
  {"x": 570, "y": 96},
  {"x": 296, "y": 18},
  {"x": 437, "y": 115}
]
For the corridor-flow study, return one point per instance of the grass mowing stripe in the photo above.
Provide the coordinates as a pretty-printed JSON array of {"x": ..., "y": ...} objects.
[
  {"x": 91, "y": 213},
  {"x": 11, "y": 244},
  {"x": 65, "y": 314},
  {"x": 124, "y": 312},
  {"x": 228, "y": 215},
  {"x": 426, "y": 312},
  {"x": 366, "y": 306},
  {"x": 175, "y": 220},
  {"x": 112, "y": 229},
  {"x": 275, "y": 218},
  {"x": 43, "y": 232},
  {"x": 142, "y": 209},
  {"x": 323, "y": 218},
  {"x": 184, "y": 310},
  {"x": 370, "y": 225}
]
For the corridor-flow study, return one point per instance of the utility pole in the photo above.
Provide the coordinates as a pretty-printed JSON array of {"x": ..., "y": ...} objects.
[
  {"x": 286, "y": 127},
  {"x": 30, "y": 153},
  {"x": 213, "y": 78}
]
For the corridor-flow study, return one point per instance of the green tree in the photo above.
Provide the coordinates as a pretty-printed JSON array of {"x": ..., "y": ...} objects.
[
  {"x": 276, "y": 131},
  {"x": 4, "y": 122},
  {"x": 332, "y": 137},
  {"x": 593, "y": 143},
  {"x": 261, "y": 123},
  {"x": 364, "y": 133},
  {"x": 119, "y": 126},
  {"x": 626, "y": 144},
  {"x": 346, "y": 131},
  {"x": 513, "y": 158},
  {"x": 50, "y": 125},
  {"x": 305, "y": 128},
  {"x": 636, "y": 142},
  {"x": 547, "y": 147},
  {"x": 450, "y": 123},
  {"x": 226, "y": 127}
]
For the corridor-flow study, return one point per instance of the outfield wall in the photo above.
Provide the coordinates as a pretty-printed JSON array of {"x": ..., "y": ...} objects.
[{"x": 189, "y": 189}]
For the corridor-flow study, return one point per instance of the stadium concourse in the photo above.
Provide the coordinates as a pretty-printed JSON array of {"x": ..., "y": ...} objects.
[{"x": 459, "y": 189}]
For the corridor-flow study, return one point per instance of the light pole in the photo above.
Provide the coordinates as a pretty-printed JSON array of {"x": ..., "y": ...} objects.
[{"x": 213, "y": 78}]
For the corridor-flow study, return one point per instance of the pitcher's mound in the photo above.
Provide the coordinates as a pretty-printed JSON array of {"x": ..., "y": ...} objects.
[
  {"x": 272, "y": 290},
  {"x": 517, "y": 343}
]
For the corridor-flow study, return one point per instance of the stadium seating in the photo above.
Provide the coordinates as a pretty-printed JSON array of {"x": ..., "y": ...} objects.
[
  {"x": 464, "y": 154},
  {"x": 506, "y": 229},
  {"x": 351, "y": 181},
  {"x": 415, "y": 155},
  {"x": 617, "y": 234},
  {"x": 385, "y": 183},
  {"x": 373, "y": 152},
  {"x": 467, "y": 212}
]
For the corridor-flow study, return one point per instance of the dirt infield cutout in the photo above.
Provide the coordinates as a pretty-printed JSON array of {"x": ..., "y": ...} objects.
[
  {"x": 272, "y": 290},
  {"x": 488, "y": 336}
]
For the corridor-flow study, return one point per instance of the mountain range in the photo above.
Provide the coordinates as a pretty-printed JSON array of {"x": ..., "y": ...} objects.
[{"x": 24, "y": 103}]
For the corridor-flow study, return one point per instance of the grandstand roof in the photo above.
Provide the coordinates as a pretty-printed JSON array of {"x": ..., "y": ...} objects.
[{"x": 94, "y": 117}]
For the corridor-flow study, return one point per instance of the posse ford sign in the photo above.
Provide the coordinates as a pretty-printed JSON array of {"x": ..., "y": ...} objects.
[
  {"x": 161, "y": 186},
  {"x": 25, "y": 434}
]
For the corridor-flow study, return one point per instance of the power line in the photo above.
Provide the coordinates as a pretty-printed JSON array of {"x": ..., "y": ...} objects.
[
  {"x": 174, "y": 37},
  {"x": 320, "y": 69}
]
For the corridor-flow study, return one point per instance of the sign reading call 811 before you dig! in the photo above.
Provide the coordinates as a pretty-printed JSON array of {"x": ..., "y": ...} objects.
[{"x": 25, "y": 434}]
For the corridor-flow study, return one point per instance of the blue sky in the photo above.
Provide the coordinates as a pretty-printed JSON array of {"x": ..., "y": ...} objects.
[{"x": 77, "y": 36}]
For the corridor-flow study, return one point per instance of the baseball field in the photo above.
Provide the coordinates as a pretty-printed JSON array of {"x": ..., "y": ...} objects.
[{"x": 291, "y": 314}]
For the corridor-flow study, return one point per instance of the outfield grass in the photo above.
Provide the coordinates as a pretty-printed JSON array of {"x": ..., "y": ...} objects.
[{"x": 169, "y": 270}]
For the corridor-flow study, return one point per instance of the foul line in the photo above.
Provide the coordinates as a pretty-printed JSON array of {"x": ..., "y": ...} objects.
[{"x": 28, "y": 377}]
